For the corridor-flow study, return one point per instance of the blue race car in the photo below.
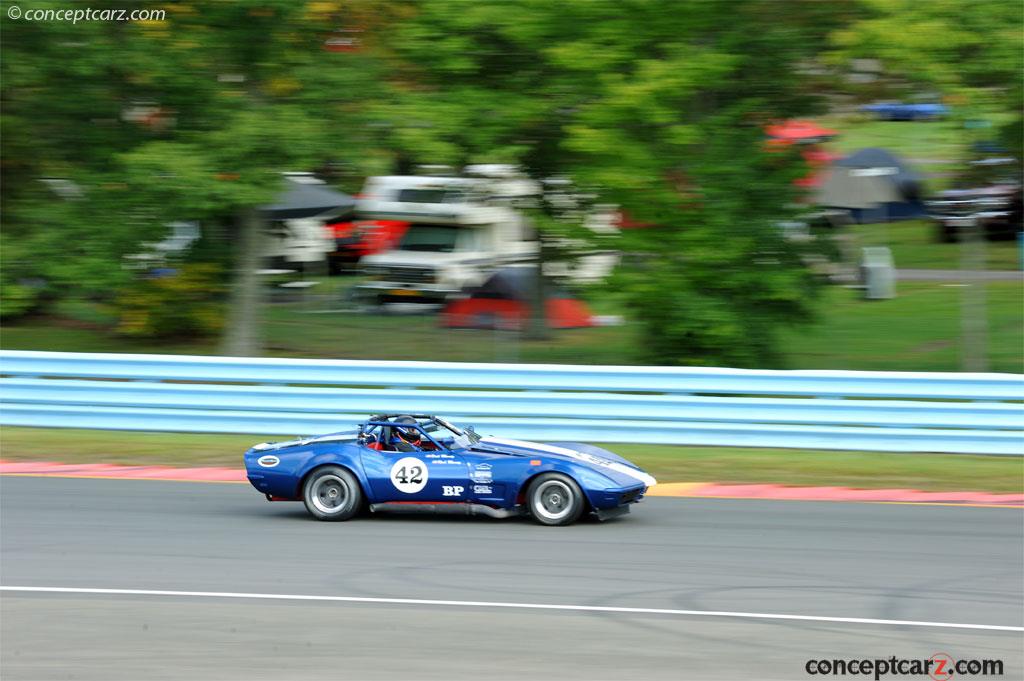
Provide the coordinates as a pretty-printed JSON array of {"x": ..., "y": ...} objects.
[{"x": 400, "y": 462}]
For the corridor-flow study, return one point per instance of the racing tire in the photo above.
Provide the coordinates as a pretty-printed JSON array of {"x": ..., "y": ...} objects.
[
  {"x": 332, "y": 493},
  {"x": 555, "y": 499}
]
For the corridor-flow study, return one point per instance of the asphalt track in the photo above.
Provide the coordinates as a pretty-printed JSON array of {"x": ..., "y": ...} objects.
[{"x": 924, "y": 564}]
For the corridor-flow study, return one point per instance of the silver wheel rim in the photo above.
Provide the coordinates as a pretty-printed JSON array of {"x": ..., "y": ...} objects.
[
  {"x": 553, "y": 500},
  {"x": 329, "y": 494}
]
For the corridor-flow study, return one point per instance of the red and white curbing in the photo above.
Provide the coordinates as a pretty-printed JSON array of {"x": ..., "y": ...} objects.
[
  {"x": 714, "y": 490},
  {"x": 111, "y": 470},
  {"x": 706, "y": 490}
]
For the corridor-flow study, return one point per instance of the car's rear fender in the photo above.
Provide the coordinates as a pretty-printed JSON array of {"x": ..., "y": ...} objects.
[
  {"x": 333, "y": 458},
  {"x": 351, "y": 469}
]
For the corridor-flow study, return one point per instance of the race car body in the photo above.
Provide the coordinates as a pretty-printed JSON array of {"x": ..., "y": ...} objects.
[{"x": 424, "y": 463}]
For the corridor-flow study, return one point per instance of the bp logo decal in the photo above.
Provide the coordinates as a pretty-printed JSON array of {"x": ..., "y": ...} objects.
[
  {"x": 268, "y": 461},
  {"x": 409, "y": 475}
]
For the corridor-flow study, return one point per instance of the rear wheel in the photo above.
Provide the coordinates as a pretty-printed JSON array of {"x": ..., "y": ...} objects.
[
  {"x": 332, "y": 493},
  {"x": 555, "y": 499}
]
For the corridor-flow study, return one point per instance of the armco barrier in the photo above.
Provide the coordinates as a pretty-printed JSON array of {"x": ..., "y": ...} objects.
[{"x": 880, "y": 411}]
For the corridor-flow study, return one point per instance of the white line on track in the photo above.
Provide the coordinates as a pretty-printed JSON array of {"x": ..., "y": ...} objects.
[{"x": 488, "y": 604}]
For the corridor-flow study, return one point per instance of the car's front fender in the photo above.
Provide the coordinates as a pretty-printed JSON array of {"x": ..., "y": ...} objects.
[{"x": 600, "y": 490}]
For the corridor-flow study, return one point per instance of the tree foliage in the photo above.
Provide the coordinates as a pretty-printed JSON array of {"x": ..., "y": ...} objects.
[
  {"x": 662, "y": 108},
  {"x": 657, "y": 107},
  {"x": 191, "y": 118},
  {"x": 972, "y": 53}
]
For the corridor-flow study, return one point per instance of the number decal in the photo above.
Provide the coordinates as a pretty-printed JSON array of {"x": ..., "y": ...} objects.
[
  {"x": 414, "y": 475},
  {"x": 409, "y": 475}
]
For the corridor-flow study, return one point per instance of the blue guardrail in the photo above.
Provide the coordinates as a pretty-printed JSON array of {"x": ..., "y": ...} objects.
[{"x": 854, "y": 410}]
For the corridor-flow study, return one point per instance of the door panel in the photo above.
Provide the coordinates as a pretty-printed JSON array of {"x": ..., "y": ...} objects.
[{"x": 416, "y": 476}]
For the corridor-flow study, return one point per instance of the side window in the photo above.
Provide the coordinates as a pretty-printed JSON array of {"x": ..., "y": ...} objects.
[
  {"x": 384, "y": 439},
  {"x": 372, "y": 438}
]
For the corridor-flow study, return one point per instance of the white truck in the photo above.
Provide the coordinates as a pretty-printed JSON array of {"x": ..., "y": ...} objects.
[{"x": 461, "y": 229}]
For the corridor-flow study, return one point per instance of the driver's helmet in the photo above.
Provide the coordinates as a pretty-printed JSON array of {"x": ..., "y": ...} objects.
[{"x": 410, "y": 435}]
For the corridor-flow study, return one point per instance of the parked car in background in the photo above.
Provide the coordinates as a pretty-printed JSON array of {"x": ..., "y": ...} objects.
[
  {"x": 997, "y": 209},
  {"x": 899, "y": 111},
  {"x": 988, "y": 191}
]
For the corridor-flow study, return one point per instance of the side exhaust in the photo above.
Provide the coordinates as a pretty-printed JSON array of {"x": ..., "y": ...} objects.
[{"x": 451, "y": 508}]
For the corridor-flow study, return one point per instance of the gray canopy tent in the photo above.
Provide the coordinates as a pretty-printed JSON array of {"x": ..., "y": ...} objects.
[
  {"x": 874, "y": 186},
  {"x": 305, "y": 200}
]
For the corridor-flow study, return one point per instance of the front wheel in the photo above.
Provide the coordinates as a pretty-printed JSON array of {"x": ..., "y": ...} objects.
[
  {"x": 332, "y": 493},
  {"x": 555, "y": 499}
]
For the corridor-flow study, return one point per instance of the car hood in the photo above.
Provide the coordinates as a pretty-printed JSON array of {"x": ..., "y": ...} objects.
[{"x": 599, "y": 459}]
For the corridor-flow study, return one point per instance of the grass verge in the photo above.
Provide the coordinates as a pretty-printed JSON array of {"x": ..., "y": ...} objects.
[
  {"x": 934, "y": 472},
  {"x": 914, "y": 246},
  {"x": 918, "y": 330}
]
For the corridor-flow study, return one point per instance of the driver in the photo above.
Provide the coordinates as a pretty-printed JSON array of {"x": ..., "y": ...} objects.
[{"x": 406, "y": 439}]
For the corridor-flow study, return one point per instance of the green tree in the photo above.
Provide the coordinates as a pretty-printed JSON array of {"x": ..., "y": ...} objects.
[
  {"x": 190, "y": 118},
  {"x": 658, "y": 105},
  {"x": 662, "y": 107},
  {"x": 972, "y": 53}
]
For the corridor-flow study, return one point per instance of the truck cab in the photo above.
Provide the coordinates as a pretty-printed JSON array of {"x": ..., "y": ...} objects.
[{"x": 460, "y": 230}]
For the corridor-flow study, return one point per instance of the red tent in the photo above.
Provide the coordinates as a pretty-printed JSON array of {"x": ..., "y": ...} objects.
[
  {"x": 503, "y": 302},
  {"x": 807, "y": 134},
  {"x": 795, "y": 130}
]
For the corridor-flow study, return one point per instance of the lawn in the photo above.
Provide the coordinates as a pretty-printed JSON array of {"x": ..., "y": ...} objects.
[
  {"x": 919, "y": 330},
  {"x": 938, "y": 472},
  {"x": 942, "y": 140},
  {"x": 914, "y": 246}
]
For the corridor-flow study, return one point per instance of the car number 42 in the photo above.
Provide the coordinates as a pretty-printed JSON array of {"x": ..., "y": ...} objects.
[{"x": 409, "y": 475}]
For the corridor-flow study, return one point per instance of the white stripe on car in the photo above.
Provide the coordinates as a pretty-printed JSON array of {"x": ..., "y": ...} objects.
[{"x": 579, "y": 456}]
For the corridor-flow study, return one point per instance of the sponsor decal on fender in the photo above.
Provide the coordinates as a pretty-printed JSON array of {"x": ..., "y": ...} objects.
[
  {"x": 268, "y": 461},
  {"x": 482, "y": 473}
]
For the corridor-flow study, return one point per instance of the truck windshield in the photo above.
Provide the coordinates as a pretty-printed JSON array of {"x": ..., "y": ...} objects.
[
  {"x": 435, "y": 238},
  {"x": 431, "y": 195}
]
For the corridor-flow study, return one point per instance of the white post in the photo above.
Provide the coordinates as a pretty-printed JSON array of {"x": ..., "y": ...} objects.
[{"x": 973, "y": 308}]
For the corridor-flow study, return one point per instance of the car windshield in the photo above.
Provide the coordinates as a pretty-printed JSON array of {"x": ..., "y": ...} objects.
[{"x": 463, "y": 438}]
